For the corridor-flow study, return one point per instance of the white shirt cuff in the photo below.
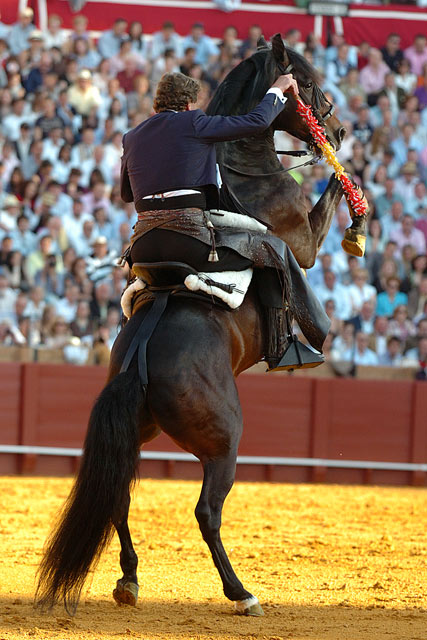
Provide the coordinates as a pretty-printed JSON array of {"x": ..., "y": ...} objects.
[{"x": 279, "y": 93}]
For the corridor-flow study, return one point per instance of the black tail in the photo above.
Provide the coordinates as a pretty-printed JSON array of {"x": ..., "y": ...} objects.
[{"x": 108, "y": 468}]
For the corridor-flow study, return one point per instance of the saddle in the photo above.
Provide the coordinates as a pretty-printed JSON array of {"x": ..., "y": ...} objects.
[{"x": 162, "y": 280}]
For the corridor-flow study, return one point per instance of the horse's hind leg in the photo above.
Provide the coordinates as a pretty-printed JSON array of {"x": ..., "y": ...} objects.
[
  {"x": 218, "y": 480},
  {"x": 126, "y": 591}
]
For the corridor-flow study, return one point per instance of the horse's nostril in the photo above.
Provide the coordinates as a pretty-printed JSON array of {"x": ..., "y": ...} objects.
[{"x": 341, "y": 133}]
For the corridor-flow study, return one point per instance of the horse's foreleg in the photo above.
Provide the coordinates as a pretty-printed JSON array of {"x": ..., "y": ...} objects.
[
  {"x": 322, "y": 213},
  {"x": 126, "y": 591},
  {"x": 218, "y": 480}
]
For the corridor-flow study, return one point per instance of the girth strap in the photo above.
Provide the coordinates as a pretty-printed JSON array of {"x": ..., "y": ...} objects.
[{"x": 143, "y": 334}]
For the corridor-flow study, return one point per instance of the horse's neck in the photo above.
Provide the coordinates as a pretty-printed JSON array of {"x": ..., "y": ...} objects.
[{"x": 256, "y": 154}]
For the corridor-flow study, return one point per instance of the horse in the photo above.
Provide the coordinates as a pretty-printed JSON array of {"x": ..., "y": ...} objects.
[{"x": 191, "y": 393}]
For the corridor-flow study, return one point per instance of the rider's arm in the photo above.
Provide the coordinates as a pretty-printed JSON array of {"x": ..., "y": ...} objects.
[{"x": 221, "y": 128}]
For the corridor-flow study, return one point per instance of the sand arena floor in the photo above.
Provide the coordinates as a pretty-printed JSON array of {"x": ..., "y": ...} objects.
[{"x": 326, "y": 562}]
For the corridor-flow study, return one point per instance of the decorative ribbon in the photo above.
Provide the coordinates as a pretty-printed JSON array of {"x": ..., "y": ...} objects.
[{"x": 318, "y": 133}]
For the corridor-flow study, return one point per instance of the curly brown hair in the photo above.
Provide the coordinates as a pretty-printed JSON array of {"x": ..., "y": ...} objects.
[{"x": 175, "y": 91}]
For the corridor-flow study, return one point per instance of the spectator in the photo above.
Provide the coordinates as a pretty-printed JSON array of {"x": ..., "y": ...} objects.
[
  {"x": 101, "y": 302},
  {"x": 249, "y": 45},
  {"x": 364, "y": 320},
  {"x": 406, "y": 234},
  {"x": 417, "y": 54},
  {"x": 54, "y": 36},
  {"x": 66, "y": 307},
  {"x": 392, "y": 53},
  {"x": 360, "y": 291},
  {"x": 362, "y": 355},
  {"x": 82, "y": 95},
  {"x": 379, "y": 337},
  {"x": 332, "y": 290},
  {"x": 400, "y": 325},
  {"x": 20, "y": 31},
  {"x": 393, "y": 355},
  {"x": 100, "y": 264},
  {"x": 82, "y": 326},
  {"x": 343, "y": 345},
  {"x": 372, "y": 77},
  {"x": 7, "y": 298},
  {"x": 59, "y": 335},
  {"x": 417, "y": 357},
  {"x": 391, "y": 298},
  {"x": 206, "y": 50},
  {"x": 166, "y": 40},
  {"x": 417, "y": 298},
  {"x": 110, "y": 41}
]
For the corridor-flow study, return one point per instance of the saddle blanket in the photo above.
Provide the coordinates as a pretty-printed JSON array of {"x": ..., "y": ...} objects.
[{"x": 239, "y": 280}]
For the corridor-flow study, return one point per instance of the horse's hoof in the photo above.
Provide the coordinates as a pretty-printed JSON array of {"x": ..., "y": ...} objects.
[
  {"x": 126, "y": 593},
  {"x": 248, "y": 607}
]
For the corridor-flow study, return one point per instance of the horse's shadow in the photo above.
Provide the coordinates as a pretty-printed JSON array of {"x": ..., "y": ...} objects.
[{"x": 180, "y": 620}]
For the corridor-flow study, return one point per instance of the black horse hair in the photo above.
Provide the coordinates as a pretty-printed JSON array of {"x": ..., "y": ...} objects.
[
  {"x": 247, "y": 83},
  {"x": 107, "y": 470}
]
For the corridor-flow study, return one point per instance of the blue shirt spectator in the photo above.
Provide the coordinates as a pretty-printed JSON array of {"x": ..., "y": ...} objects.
[
  {"x": 388, "y": 300},
  {"x": 20, "y": 31},
  {"x": 110, "y": 41},
  {"x": 206, "y": 49}
]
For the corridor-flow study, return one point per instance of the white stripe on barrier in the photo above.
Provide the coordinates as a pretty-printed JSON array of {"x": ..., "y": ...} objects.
[
  {"x": 390, "y": 15},
  {"x": 177, "y": 456},
  {"x": 205, "y": 4}
]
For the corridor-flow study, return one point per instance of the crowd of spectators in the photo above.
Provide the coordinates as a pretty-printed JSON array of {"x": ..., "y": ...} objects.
[{"x": 65, "y": 101}]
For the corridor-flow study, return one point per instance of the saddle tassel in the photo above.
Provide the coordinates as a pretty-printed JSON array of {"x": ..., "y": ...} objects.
[{"x": 213, "y": 255}]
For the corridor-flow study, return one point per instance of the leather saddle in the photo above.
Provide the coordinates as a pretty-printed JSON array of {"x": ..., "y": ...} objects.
[
  {"x": 170, "y": 276},
  {"x": 163, "y": 275}
]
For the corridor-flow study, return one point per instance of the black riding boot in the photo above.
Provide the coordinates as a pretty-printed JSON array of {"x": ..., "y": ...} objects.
[{"x": 283, "y": 351}]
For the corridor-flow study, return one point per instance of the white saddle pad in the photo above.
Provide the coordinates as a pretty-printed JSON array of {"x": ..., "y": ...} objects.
[{"x": 240, "y": 279}]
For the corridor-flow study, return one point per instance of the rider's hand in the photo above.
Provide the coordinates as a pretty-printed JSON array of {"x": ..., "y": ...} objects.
[{"x": 286, "y": 83}]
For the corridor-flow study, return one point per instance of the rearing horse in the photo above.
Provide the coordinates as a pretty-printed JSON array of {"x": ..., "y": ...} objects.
[{"x": 193, "y": 357}]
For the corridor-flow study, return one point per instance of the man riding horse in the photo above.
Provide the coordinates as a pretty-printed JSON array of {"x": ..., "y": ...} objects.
[{"x": 169, "y": 171}]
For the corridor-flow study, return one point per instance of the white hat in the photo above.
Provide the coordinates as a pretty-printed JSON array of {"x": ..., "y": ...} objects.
[
  {"x": 100, "y": 240},
  {"x": 36, "y": 34},
  {"x": 11, "y": 201},
  {"x": 27, "y": 12},
  {"x": 85, "y": 74}
]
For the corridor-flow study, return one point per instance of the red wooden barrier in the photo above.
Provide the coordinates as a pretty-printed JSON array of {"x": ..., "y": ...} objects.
[{"x": 284, "y": 416}]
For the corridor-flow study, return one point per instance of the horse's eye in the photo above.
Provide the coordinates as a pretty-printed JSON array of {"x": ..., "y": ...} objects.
[{"x": 309, "y": 85}]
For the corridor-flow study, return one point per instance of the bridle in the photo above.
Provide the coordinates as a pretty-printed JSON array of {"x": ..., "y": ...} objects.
[{"x": 321, "y": 118}]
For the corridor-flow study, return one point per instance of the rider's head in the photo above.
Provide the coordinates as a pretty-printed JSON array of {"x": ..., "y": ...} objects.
[{"x": 175, "y": 91}]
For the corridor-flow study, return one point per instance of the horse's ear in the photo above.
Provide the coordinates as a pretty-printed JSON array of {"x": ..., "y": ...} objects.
[
  {"x": 279, "y": 49},
  {"x": 262, "y": 43}
]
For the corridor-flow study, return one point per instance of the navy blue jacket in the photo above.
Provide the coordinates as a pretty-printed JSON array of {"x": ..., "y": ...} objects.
[{"x": 176, "y": 150}]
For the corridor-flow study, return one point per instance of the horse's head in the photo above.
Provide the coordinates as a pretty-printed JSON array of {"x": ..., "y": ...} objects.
[
  {"x": 281, "y": 59},
  {"x": 245, "y": 86}
]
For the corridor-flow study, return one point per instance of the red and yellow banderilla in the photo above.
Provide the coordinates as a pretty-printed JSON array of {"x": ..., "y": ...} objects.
[{"x": 355, "y": 236}]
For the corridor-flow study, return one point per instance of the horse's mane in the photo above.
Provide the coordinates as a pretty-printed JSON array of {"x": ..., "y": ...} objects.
[{"x": 247, "y": 83}]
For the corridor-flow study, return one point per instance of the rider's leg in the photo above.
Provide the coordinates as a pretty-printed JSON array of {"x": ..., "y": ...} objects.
[
  {"x": 162, "y": 245},
  {"x": 282, "y": 349}
]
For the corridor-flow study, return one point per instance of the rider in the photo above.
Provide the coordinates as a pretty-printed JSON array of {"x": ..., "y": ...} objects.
[{"x": 169, "y": 171}]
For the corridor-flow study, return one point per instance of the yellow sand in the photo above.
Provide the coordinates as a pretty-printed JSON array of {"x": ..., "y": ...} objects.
[{"x": 326, "y": 562}]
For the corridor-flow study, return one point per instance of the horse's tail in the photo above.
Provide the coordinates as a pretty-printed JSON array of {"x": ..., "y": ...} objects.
[{"x": 107, "y": 470}]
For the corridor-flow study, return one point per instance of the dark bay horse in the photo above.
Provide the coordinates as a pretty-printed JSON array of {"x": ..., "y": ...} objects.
[{"x": 193, "y": 357}]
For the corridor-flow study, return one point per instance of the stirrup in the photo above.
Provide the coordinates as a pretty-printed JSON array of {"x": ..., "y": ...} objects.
[{"x": 297, "y": 356}]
